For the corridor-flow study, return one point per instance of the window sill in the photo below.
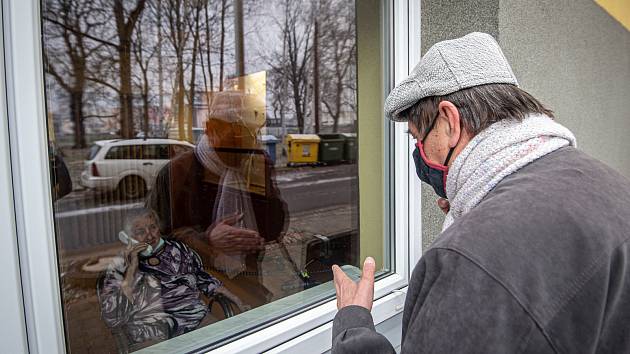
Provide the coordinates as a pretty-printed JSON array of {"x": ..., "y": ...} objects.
[
  {"x": 319, "y": 339},
  {"x": 283, "y": 330}
]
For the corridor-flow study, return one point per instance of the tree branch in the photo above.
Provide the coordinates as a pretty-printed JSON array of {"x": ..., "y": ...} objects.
[
  {"x": 104, "y": 83},
  {"x": 79, "y": 33}
]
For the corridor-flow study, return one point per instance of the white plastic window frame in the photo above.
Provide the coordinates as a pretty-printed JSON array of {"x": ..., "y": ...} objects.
[
  {"x": 408, "y": 228},
  {"x": 34, "y": 214},
  {"x": 13, "y": 334}
]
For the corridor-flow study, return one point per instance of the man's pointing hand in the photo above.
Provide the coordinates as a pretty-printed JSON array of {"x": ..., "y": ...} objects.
[{"x": 351, "y": 293}]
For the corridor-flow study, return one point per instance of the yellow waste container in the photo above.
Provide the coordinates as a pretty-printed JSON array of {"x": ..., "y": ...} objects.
[{"x": 302, "y": 148}]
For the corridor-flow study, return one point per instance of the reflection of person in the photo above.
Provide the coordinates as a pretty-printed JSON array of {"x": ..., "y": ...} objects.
[
  {"x": 224, "y": 193},
  {"x": 154, "y": 291},
  {"x": 60, "y": 177},
  {"x": 533, "y": 256}
]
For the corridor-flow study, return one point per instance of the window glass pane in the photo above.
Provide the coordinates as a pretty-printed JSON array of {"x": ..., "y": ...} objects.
[
  {"x": 220, "y": 157},
  {"x": 162, "y": 152},
  {"x": 149, "y": 152},
  {"x": 115, "y": 152},
  {"x": 93, "y": 151}
]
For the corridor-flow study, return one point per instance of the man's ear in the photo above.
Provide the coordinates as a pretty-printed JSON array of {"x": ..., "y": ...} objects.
[{"x": 450, "y": 114}]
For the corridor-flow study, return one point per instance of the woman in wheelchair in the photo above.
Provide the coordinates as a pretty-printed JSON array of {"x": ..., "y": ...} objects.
[{"x": 154, "y": 291}]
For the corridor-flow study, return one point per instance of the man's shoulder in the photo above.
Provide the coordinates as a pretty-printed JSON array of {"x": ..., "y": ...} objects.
[
  {"x": 540, "y": 229},
  {"x": 179, "y": 169},
  {"x": 558, "y": 202},
  {"x": 185, "y": 160},
  {"x": 566, "y": 173},
  {"x": 566, "y": 191}
]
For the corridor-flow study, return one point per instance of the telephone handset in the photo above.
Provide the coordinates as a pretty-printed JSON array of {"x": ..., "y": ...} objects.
[{"x": 128, "y": 240}]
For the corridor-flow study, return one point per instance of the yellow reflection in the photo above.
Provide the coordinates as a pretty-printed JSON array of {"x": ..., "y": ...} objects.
[
  {"x": 618, "y": 9},
  {"x": 233, "y": 125}
]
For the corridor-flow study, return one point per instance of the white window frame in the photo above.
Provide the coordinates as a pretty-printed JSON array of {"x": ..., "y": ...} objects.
[
  {"x": 13, "y": 334},
  {"x": 309, "y": 330}
]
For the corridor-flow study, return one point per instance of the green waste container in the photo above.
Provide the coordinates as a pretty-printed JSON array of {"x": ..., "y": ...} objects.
[
  {"x": 350, "y": 148},
  {"x": 331, "y": 148}
]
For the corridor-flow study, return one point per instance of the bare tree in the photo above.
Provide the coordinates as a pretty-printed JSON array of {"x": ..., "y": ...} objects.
[
  {"x": 69, "y": 24},
  {"x": 292, "y": 63},
  {"x": 239, "y": 42},
  {"x": 316, "y": 99},
  {"x": 339, "y": 55},
  {"x": 224, "y": 8},
  {"x": 278, "y": 91},
  {"x": 208, "y": 48},
  {"x": 125, "y": 25},
  {"x": 144, "y": 52},
  {"x": 193, "y": 25},
  {"x": 158, "y": 22},
  {"x": 176, "y": 12}
]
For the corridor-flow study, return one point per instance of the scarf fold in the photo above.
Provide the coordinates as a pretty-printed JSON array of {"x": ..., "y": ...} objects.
[
  {"x": 232, "y": 198},
  {"x": 497, "y": 152}
]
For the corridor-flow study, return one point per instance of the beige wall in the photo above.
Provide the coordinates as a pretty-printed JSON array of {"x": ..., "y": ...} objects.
[{"x": 370, "y": 117}]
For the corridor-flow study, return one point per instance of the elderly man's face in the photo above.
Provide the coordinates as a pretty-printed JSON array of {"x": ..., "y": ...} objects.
[
  {"x": 223, "y": 134},
  {"x": 145, "y": 229},
  {"x": 228, "y": 138},
  {"x": 435, "y": 140}
]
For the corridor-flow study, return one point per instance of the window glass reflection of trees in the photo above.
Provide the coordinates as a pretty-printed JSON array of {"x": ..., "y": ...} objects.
[{"x": 147, "y": 69}]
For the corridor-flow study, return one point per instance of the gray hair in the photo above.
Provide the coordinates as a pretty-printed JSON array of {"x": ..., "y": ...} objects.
[
  {"x": 478, "y": 106},
  {"x": 134, "y": 214}
]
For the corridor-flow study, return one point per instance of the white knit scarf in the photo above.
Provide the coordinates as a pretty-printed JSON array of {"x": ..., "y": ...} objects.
[
  {"x": 232, "y": 198},
  {"x": 495, "y": 153}
]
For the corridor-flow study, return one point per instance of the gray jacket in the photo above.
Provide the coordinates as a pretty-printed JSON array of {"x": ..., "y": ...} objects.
[{"x": 541, "y": 265}]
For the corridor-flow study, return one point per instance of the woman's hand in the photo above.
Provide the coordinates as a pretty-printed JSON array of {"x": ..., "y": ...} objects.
[{"x": 131, "y": 254}]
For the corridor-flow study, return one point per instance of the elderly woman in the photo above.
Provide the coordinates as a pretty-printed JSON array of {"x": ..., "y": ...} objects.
[{"x": 154, "y": 291}]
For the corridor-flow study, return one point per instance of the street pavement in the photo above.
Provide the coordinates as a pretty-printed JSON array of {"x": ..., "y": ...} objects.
[{"x": 87, "y": 218}]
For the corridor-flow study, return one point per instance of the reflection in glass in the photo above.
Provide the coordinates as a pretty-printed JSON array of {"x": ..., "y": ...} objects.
[
  {"x": 193, "y": 180},
  {"x": 153, "y": 291}
]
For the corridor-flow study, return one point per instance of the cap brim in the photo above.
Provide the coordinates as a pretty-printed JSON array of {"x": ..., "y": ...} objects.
[{"x": 403, "y": 96}]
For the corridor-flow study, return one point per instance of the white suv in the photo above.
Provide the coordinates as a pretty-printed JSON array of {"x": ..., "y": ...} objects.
[{"x": 129, "y": 166}]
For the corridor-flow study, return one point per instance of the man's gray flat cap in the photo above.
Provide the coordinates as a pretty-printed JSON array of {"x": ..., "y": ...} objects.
[{"x": 448, "y": 66}]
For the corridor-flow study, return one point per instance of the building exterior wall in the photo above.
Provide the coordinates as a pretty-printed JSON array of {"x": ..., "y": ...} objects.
[
  {"x": 570, "y": 54},
  {"x": 441, "y": 20}
]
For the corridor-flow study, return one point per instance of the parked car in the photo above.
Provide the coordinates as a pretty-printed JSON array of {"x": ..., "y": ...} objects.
[{"x": 129, "y": 166}]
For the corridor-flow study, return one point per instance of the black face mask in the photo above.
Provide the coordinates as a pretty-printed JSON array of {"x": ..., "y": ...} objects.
[{"x": 430, "y": 173}]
